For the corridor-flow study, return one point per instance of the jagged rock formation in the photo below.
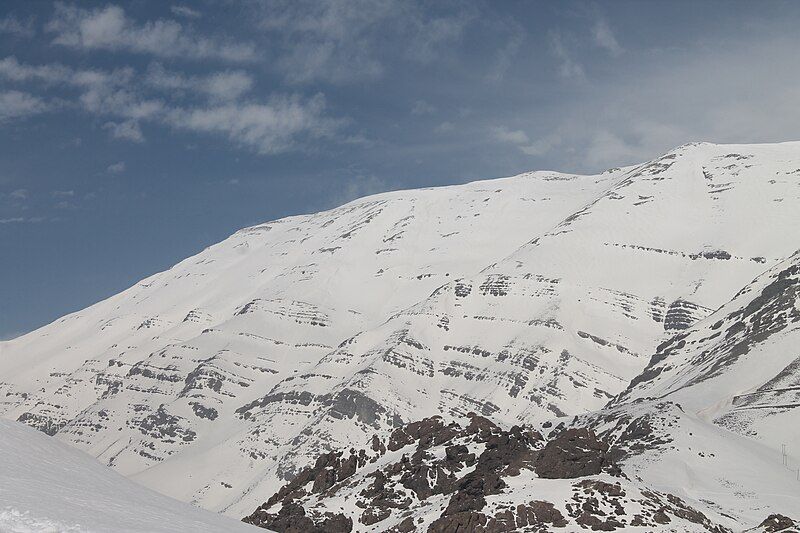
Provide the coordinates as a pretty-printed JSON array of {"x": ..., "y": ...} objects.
[
  {"x": 528, "y": 300},
  {"x": 777, "y": 524},
  {"x": 445, "y": 478},
  {"x": 574, "y": 453}
]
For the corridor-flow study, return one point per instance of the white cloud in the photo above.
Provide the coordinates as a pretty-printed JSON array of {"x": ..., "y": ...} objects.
[
  {"x": 268, "y": 128},
  {"x": 568, "y": 67},
  {"x": 357, "y": 139},
  {"x": 541, "y": 146},
  {"x": 21, "y": 220},
  {"x": 614, "y": 146},
  {"x": 116, "y": 168},
  {"x": 225, "y": 85},
  {"x": 186, "y": 12},
  {"x": 503, "y": 134},
  {"x": 62, "y": 194},
  {"x": 127, "y": 130},
  {"x": 421, "y": 107},
  {"x": 55, "y": 73},
  {"x": 327, "y": 40},
  {"x": 358, "y": 187},
  {"x": 716, "y": 94},
  {"x": 19, "y": 194},
  {"x": 16, "y": 104},
  {"x": 445, "y": 127},
  {"x": 604, "y": 37},
  {"x": 14, "y": 26},
  {"x": 521, "y": 140},
  {"x": 105, "y": 100},
  {"x": 102, "y": 92},
  {"x": 110, "y": 29},
  {"x": 344, "y": 42},
  {"x": 13, "y": 70},
  {"x": 430, "y": 36},
  {"x": 506, "y": 54}
]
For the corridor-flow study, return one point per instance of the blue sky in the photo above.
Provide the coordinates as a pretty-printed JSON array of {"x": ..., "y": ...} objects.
[{"x": 135, "y": 134}]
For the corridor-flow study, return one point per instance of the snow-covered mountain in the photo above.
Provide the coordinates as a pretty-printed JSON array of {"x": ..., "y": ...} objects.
[
  {"x": 49, "y": 487},
  {"x": 739, "y": 367},
  {"x": 690, "y": 445},
  {"x": 524, "y": 299}
]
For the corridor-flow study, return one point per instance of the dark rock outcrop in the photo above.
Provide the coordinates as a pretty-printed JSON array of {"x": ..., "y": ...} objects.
[
  {"x": 471, "y": 466},
  {"x": 574, "y": 453},
  {"x": 777, "y": 523},
  {"x": 292, "y": 519}
]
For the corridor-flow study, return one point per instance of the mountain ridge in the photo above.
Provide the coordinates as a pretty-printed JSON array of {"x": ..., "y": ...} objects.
[{"x": 524, "y": 299}]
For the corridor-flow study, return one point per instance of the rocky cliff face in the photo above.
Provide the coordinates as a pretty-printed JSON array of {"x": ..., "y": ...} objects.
[
  {"x": 527, "y": 300},
  {"x": 449, "y": 478}
]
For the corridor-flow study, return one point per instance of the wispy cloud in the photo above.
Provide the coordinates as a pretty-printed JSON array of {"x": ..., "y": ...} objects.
[
  {"x": 56, "y": 73},
  {"x": 445, "y": 127},
  {"x": 604, "y": 37},
  {"x": 225, "y": 85},
  {"x": 19, "y": 194},
  {"x": 17, "y": 104},
  {"x": 503, "y": 134},
  {"x": 186, "y": 12},
  {"x": 327, "y": 40},
  {"x": 267, "y": 127},
  {"x": 506, "y": 55},
  {"x": 613, "y": 123},
  {"x": 359, "y": 186},
  {"x": 345, "y": 42},
  {"x": 568, "y": 66},
  {"x": 110, "y": 28},
  {"x": 127, "y": 130},
  {"x": 521, "y": 140},
  {"x": 116, "y": 168},
  {"x": 17, "y": 27},
  {"x": 421, "y": 107},
  {"x": 431, "y": 36},
  {"x": 22, "y": 220}
]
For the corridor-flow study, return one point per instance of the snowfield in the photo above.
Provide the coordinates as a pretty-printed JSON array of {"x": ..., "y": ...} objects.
[
  {"x": 656, "y": 305},
  {"x": 47, "y": 486}
]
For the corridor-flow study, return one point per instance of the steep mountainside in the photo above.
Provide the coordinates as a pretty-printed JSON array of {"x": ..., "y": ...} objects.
[
  {"x": 739, "y": 367},
  {"x": 522, "y": 299}
]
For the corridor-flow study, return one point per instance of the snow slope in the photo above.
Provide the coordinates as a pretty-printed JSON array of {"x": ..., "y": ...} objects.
[
  {"x": 523, "y": 299},
  {"x": 740, "y": 366},
  {"x": 47, "y": 486}
]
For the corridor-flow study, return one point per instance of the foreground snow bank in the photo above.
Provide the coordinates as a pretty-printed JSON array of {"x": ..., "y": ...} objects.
[
  {"x": 49, "y": 487},
  {"x": 23, "y": 522}
]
